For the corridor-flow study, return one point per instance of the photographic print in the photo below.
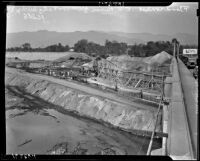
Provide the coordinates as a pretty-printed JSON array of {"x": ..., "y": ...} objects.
[{"x": 102, "y": 80}]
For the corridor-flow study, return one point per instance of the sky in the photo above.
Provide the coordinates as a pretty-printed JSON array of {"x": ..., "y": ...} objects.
[{"x": 177, "y": 18}]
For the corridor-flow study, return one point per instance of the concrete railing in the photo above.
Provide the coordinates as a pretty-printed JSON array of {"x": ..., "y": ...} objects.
[
  {"x": 179, "y": 142},
  {"x": 190, "y": 93}
]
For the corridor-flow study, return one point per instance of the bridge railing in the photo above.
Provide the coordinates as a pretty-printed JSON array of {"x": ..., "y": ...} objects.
[
  {"x": 179, "y": 141},
  {"x": 190, "y": 93}
]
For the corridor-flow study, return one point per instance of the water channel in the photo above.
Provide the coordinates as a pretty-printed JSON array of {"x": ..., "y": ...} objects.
[{"x": 42, "y": 128}]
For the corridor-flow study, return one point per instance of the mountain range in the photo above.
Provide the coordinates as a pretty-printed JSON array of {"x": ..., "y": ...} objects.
[{"x": 43, "y": 38}]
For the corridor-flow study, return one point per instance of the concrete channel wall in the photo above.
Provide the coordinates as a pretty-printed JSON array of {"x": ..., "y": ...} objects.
[
  {"x": 190, "y": 93},
  {"x": 117, "y": 114},
  {"x": 179, "y": 141}
]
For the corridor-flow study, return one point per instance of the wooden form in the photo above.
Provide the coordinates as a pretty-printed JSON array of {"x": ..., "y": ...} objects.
[{"x": 130, "y": 79}]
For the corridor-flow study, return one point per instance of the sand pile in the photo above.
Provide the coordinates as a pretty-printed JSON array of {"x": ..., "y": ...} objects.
[
  {"x": 122, "y": 58},
  {"x": 126, "y": 62},
  {"x": 160, "y": 58}
]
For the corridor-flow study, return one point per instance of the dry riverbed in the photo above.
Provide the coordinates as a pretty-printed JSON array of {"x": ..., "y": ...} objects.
[{"x": 34, "y": 126}]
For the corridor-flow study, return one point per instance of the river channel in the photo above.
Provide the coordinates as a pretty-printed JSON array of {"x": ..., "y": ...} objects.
[{"x": 42, "y": 128}]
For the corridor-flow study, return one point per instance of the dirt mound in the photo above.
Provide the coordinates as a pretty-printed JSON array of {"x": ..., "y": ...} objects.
[
  {"x": 124, "y": 58},
  {"x": 126, "y": 62},
  {"x": 160, "y": 58},
  {"x": 119, "y": 58}
]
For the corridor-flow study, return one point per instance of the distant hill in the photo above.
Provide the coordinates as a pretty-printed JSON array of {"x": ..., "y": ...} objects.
[
  {"x": 44, "y": 38},
  {"x": 183, "y": 38}
]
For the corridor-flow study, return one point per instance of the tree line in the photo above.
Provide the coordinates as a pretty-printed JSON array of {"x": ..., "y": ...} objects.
[
  {"x": 109, "y": 48},
  {"x": 26, "y": 47}
]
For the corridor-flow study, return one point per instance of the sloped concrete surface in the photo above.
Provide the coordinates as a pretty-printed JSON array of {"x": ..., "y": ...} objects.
[
  {"x": 179, "y": 142},
  {"x": 115, "y": 113}
]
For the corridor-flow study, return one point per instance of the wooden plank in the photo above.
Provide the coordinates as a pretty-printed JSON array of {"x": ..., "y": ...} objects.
[
  {"x": 165, "y": 130},
  {"x": 129, "y": 80},
  {"x": 146, "y": 133},
  {"x": 138, "y": 83}
]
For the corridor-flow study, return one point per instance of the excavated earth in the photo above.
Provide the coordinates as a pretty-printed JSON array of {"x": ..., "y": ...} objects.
[
  {"x": 109, "y": 111},
  {"x": 82, "y": 104}
]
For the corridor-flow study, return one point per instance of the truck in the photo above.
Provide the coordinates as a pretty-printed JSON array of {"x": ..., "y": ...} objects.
[
  {"x": 184, "y": 59},
  {"x": 195, "y": 72},
  {"x": 192, "y": 56}
]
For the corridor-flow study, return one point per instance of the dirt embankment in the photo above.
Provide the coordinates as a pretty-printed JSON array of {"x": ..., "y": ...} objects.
[{"x": 128, "y": 117}]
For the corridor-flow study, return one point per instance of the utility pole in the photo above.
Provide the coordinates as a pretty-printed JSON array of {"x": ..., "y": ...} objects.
[
  {"x": 174, "y": 41},
  {"x": 178, "y": 46},
  {"x": 174, "y": 49}
]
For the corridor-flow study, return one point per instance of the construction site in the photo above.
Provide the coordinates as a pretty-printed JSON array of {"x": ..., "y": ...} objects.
[
  {"x": 125, "y": 75},
  {"x": 133, "y": 94}
]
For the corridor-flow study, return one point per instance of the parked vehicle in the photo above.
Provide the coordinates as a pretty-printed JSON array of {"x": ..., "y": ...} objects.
[
  {"x": 184, "y": 59},
  {"x": 195, "y": 72},
  {"x": 192, "y": 55}
]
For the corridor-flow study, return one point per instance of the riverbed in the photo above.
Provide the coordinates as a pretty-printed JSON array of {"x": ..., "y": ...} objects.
[{"x": 38, "y": 127}]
